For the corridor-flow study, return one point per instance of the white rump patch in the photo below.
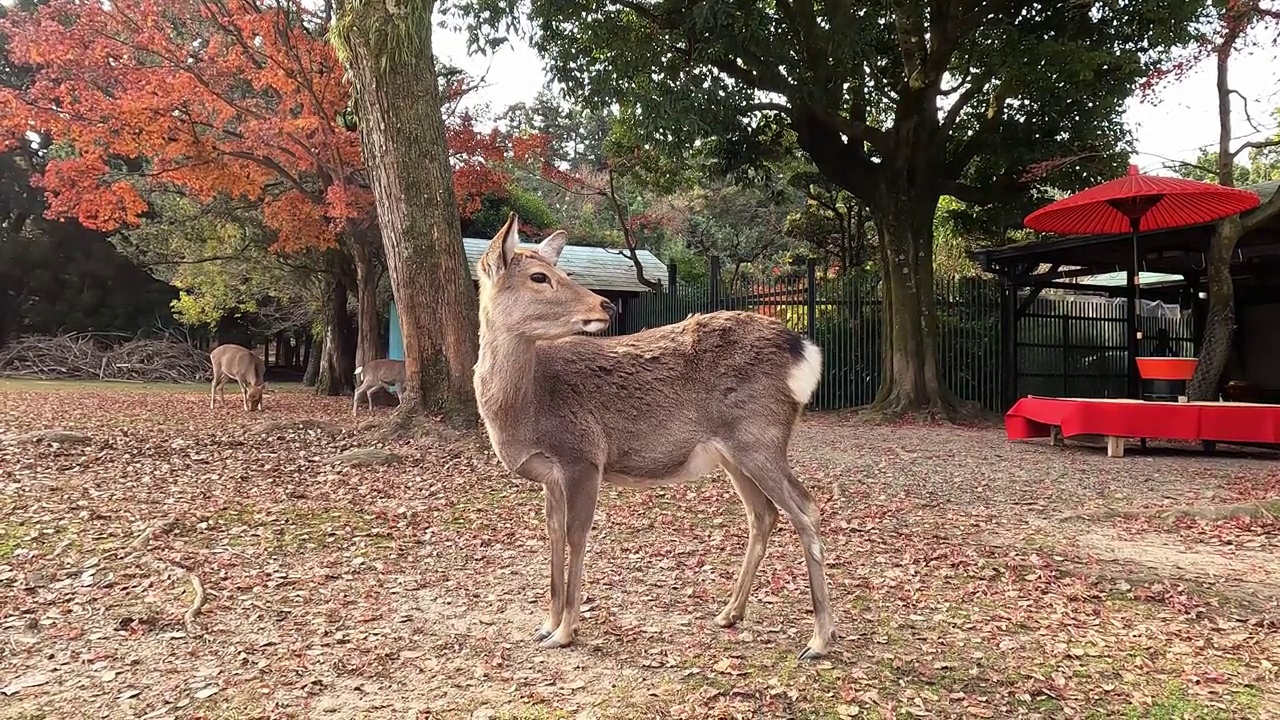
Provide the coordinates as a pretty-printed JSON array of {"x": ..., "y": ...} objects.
[
  {"x": 359, "y": 369},
  {"x": 806, "y": 374}
]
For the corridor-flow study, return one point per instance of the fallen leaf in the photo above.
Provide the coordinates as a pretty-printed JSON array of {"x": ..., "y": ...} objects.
[{"x": 24, "y": 682}]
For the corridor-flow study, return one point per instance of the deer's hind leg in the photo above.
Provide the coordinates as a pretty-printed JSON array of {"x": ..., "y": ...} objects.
[
  {"x": 762, "y": 517},
  {"x": 767, "y": 466}
]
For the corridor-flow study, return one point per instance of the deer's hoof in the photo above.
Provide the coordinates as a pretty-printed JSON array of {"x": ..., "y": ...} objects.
[
  {"x": 809, "y": 653},
  {"x": 728, "y": 619},
  {"x": 541, "y": 635},
  {"x": 557, "y": 641}
]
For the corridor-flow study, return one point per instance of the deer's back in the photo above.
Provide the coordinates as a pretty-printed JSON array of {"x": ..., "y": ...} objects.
[
  {"x": 238, "y": 362},
  {"x": 653, "y": 397}
]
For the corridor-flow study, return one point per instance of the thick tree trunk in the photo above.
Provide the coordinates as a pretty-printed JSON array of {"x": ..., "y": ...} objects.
[
  {"x": 910, "y": 380},
  {"x": 369, "y": 336},
  {"x": 1220, "y": 321},
  {"x": 402, "y": 134},
  {"x": 337, "y": 359}
]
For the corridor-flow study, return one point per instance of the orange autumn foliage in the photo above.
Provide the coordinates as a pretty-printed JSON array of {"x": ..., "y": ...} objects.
[{"x": 208, "y": 97}]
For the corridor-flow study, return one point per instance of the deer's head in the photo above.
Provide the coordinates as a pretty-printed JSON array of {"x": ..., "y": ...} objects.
[
  {"x": 524, "y": 294},
  {"x": 255, "y": 396}
]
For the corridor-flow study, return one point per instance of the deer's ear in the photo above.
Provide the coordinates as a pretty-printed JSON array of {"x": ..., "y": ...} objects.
[
  {"x": 550, "y": 248},
  {"x": 501, "y": 249}
]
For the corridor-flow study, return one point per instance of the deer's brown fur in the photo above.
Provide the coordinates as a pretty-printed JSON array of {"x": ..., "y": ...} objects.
[
  {"x": 377, "y": 374},
  {"x": 658, "y": 407},
  {"x": 235, "y": 362}
]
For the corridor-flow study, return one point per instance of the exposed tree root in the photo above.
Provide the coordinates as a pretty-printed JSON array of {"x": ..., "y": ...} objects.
[
  {"x": 1238, "y": 598},
  {"x": 1262, "y": 509},
  {"x": 948, "y": 409},
  {"x": 138, "y": 550},
  {"x": 143, "y": 540},
  {"x": 365, "y": 457},
  {"x": 197, "y": 604},
  {"x": 275, "y": 426},
  {"x": 410, "y": 423},
  {"x": 62, "y": 437}
]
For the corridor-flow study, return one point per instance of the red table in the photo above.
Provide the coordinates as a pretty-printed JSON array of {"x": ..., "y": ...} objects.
[{"x": 1118, "y": 419}]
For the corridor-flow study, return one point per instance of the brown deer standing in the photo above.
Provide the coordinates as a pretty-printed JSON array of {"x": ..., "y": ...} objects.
[
  {"x": 377, "y": 374},
  {"x": 234, "y": 362},
  {"x": 658, "y": 407}
]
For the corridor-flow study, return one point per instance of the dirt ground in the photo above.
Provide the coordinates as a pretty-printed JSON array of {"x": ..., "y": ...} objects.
[{"x": 964, "y": 585}]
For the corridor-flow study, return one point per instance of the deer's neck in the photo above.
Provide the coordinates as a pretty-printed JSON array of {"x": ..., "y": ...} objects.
[{"x": 504, "y": 374}]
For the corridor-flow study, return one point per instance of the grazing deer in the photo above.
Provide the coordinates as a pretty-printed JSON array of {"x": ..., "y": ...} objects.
[
  {"x": 659, "y": 407},
  {"x": 234, "y": 362},
  {"x": 377, "y": 374}
]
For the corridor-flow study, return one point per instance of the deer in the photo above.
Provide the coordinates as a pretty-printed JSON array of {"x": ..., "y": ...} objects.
[
  {"x": 235, "y": 362},
  {"x": 377, "y": 374},
  {"x": 662, "y": 406}
]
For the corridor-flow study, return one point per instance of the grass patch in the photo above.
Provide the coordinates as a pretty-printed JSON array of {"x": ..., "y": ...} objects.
[
  {"x": 16, "y": 384},
  {"x": 1173, "y": 704},
  {"x": 9, "y": 540},
  {"x": 296, "y": 528}
]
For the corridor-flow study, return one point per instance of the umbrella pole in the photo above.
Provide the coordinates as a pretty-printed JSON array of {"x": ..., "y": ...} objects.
[{"x": 1135, "y": 315}]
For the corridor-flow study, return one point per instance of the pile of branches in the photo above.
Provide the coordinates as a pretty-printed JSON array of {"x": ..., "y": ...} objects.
[{"x": 91, "y": 356}]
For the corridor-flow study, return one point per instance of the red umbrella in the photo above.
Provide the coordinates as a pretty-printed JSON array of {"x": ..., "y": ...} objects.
[{"x": 1139, "y": 203}]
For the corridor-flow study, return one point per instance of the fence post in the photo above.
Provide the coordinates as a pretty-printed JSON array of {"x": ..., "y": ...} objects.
[
  {"x": 1066, "y": 353},
  {"x": 811, "y": 293},
  {"x": 1009, "y": 345},
  {"x": 672, "y": 278},
  {"x": 715, "y": 282}
]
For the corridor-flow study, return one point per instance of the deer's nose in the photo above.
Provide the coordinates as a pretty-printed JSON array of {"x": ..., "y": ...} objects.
[{"x": 608, "y": 308}]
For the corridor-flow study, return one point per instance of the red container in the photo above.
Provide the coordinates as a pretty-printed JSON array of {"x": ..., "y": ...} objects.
[{"x": 1166, "y": 368}]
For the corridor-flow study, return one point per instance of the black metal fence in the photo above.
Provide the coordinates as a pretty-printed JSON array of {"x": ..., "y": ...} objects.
[
  {"x": 1078, "y": 346},
  {"x": 1065, "y": 345}
]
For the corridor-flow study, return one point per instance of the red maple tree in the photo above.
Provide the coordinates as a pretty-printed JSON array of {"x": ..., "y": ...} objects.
[{"x": 210, "y": 97}]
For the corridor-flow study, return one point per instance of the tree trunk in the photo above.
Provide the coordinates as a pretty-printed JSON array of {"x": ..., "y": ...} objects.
[
  {"x": 369, "y": 337},
  {"x": 910, "y": 380},
  {"x": 1220, "y": 321},
  {"x": 337, "y": 359},
  {"x": 311, "y": 359},
  {"x": 402, "y": 134}
]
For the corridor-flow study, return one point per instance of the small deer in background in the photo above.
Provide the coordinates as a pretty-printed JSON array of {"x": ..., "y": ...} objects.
[
  {"x": 377, "y": 374},
  {"x": 234, "y": 362},
  {"x": 659, "y": 407}
]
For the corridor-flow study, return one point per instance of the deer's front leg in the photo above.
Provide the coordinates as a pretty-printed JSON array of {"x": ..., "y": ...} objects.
[
  {"x": 555, "y": 504},
  {"x": 582, "y": 487}
]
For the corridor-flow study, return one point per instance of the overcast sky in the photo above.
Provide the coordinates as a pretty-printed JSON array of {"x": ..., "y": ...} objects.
[{"x": 1175, "y": 125}]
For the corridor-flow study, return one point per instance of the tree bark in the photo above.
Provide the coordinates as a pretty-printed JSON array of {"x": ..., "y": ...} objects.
[
  {"x": 402, "y": 134},
  {"x": 311, "y": 359},
  {"x": 337, "y": 358},
  {"x": 369, "y": 337},
  {"x": 910, "y": 380},
  {"x": 1220, "y": 321}
]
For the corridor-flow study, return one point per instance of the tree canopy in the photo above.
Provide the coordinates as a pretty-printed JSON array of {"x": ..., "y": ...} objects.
[{"x": 899, "y": 104}]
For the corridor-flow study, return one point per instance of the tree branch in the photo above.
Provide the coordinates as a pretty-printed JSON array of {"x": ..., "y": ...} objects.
[
  {"x": 1256, "y": 145},
  {"x": 1263, "y": 214}
]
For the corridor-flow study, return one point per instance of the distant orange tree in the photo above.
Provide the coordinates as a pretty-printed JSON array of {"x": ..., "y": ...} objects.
[{"x": 221, "y": 99}]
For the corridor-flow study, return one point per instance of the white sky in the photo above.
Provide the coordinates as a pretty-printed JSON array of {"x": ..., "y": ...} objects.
[{"x": 1175, "y": 125}]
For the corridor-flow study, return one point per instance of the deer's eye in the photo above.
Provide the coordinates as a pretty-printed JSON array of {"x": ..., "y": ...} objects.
[{"x": 540, "y": 278}]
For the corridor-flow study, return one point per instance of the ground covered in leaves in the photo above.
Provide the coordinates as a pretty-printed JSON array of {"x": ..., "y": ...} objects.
[{"x": 159, "y": 559}]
